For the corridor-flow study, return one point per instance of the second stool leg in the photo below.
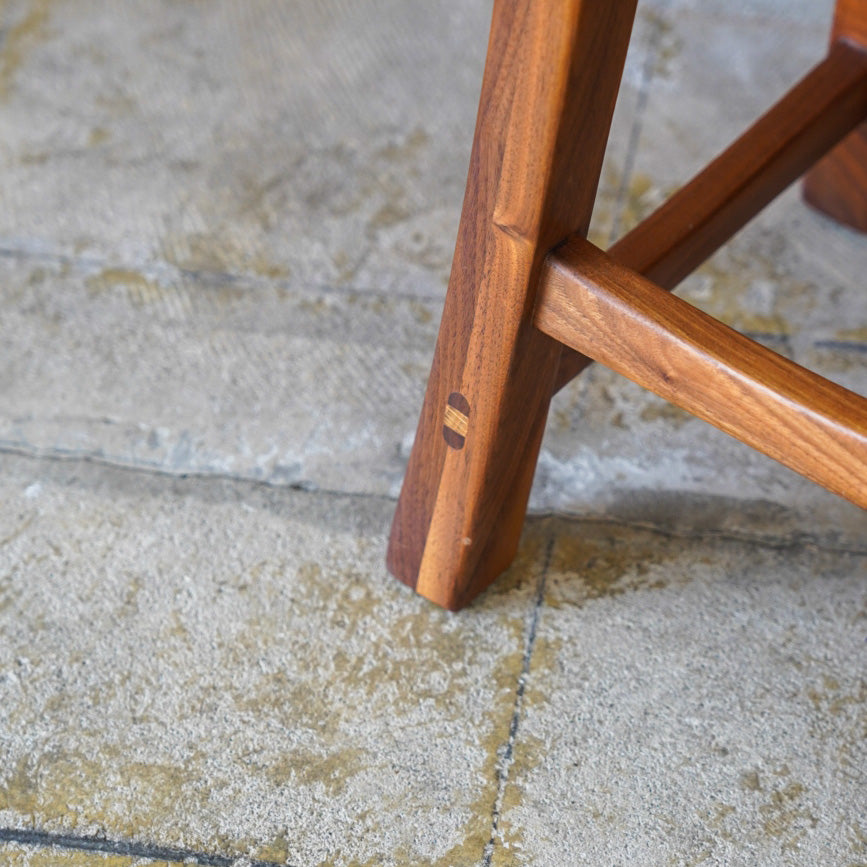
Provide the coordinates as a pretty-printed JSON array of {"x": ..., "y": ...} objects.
[{"x": 837, "y": 184}]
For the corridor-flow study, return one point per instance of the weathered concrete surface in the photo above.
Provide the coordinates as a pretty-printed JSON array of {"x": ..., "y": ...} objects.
[
  {"x": 225, "y": 232},
  {"x": 224, "y": 667},
  {"x": 20, "y": 856},
  {"x": 692, "y": 700},
  {"x": 220, "y": 667},
  {"x": 15, "y": 855}
]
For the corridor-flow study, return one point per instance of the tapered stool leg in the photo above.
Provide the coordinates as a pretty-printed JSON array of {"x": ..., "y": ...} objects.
[
  {"x": 551, "y": 79},
  {"x": 837, "y": 185}
]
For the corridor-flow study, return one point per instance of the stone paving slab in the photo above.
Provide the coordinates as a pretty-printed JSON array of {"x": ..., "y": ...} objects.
[
  {"x": 226, "y": 668},
  {"x": 320, "y": 144},
  {"x": 231, "y": 670},
  {"x": 243, "y": 379},
  {"x": 293, "y": 388},
  {"x": 692, "y": 700}
]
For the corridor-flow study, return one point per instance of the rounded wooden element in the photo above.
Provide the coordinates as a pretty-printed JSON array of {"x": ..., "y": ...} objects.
[{"x": 456, "y": 420}]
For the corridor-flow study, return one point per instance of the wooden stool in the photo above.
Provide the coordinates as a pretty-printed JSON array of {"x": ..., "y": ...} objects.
[{"x": 530, "y": 302}]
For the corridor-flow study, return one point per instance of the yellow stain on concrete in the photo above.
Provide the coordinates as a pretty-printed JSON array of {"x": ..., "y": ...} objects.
[
  {"x": 728, "y": 279},
  {"x": 391, "y": 678},
  {"x": 20, "y": 38},
  {"x": 221, "y": 253},
  {"x": 98, "y": 135},
  {"x": 854, "y": 334},
  {"x": 65, "y": 786},
  {"x": 138, "y": 288},
  {"x": 18, "y": 855},
  {"x": 606, "y": 559},
  {"x": 787, "y": 816}
]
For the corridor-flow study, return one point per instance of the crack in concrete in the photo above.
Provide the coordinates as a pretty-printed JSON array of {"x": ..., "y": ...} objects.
[
  {"x": 155, "y": 471},
  {"x": 790, "y": 542},
  {"x": 798, "y": 540},
  {"x": 505, "y": 763},
  {"x": 130, "y": 848}
]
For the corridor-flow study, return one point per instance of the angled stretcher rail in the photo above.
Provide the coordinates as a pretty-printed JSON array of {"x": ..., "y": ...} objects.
[
  {"x": 817, "y": 113},
  {"x": 613, "y": 314}
]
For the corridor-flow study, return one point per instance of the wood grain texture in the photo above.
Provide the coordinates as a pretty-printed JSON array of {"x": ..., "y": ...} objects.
[
  {"x": 605, "y": 310},
  {"x": 550, "y": 83},
  {"x": 837, "y": 185},
  {"x": 850, "y": 22},
  {"x": 822, "y": 109}
]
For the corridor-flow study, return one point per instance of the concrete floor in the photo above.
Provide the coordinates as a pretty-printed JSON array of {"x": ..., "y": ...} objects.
[{"x": 225, "y": 234}]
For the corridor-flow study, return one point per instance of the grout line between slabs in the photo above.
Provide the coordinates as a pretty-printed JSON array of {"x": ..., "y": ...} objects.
[
  {"x": 782, "y": 542},
  {"x": 133, "y": 849},
  {"x": 155, "y": 471},
  {"x": 508, "y": 753}
]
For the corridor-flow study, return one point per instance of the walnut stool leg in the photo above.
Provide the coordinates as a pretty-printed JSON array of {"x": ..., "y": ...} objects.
[
  {"x": 551, "y": 79},
  {"x": 837, "y": 185}
]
